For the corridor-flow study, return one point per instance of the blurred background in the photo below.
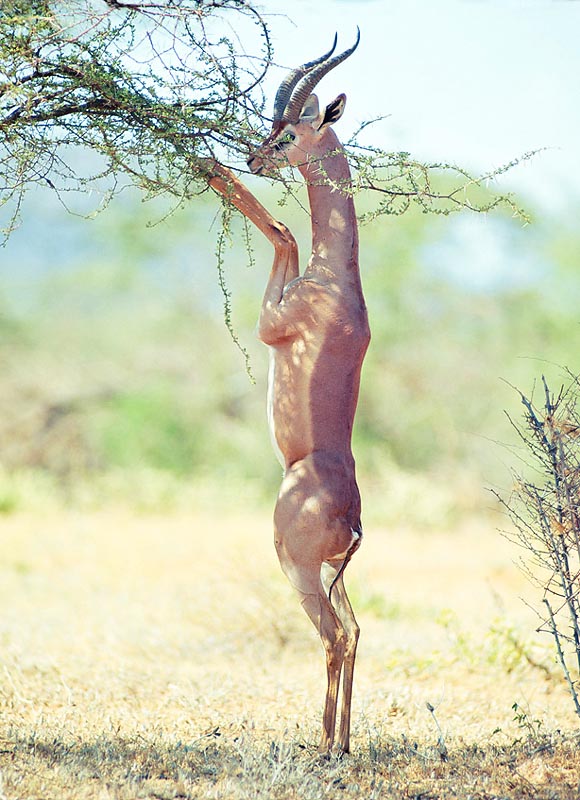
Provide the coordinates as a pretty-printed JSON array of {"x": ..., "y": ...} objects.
[{"x": 120, "y": 384}]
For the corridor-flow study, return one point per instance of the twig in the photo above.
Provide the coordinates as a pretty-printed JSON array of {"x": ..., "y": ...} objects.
[
  {"x": 561, "y": 657},
  {"x": 441, "y": 746}
]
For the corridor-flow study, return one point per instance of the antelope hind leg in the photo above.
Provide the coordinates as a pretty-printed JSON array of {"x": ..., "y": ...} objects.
[
  {"x": 351, "y": 629},
  {"x": 332, "y": 635}
]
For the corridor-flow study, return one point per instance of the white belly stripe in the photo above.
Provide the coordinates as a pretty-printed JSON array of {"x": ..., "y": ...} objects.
[{"x": 270, "y": 408}]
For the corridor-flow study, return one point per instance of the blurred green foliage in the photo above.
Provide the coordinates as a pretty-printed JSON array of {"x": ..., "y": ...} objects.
[{"x": 120, "y": 382}]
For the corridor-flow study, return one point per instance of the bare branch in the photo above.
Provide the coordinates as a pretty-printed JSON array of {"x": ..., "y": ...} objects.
[{"x": 546, "y": 517}]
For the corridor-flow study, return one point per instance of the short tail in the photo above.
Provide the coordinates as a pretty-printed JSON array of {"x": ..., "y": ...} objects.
[{"x": 357, "y": 537}]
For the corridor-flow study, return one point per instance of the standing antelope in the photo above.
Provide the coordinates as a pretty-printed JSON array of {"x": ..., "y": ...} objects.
[{"x": 317, "y": 330}]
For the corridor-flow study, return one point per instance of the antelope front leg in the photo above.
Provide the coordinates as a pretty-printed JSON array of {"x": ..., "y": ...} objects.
[
  {"x": 285, "y": 267},
  {"x": 223, "y": 181}
]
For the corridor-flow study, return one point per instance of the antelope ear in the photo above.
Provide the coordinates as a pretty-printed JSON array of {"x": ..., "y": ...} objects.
[
  {"x": 310, "y": 110},
  {"x": 333, "y": 112}
]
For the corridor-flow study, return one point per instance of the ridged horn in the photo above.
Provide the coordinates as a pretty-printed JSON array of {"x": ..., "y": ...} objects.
[
  {"x": 290, "y": 81},
  {"x": 286, "y": 87},
  {"x": 304, "y": 88}
]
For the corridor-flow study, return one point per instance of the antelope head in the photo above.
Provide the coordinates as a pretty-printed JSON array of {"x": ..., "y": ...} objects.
[{"x": 299, "y": 126}]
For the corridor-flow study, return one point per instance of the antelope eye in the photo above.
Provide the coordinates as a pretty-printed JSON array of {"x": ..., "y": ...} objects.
[{"x": 286, "y": 139}]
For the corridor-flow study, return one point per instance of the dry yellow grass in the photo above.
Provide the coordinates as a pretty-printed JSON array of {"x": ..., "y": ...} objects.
[{"x": 166, "y": 657}]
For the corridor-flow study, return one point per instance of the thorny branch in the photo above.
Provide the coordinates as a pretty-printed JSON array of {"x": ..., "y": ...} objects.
[
  {"x": 544, "y": 508},
  {"x": 138, "y": 90}
]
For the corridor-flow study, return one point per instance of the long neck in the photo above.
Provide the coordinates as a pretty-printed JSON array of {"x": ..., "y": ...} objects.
[{"x": 334, "y": 225}]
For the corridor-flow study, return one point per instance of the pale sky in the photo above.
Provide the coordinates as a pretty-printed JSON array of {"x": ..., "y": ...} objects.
[{"x": 477, "y": 82}]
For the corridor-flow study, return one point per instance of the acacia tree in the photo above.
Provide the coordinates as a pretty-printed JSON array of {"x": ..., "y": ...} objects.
[
  {"x": 154, "y": 91},
  {"x": 151, "y": 88}
]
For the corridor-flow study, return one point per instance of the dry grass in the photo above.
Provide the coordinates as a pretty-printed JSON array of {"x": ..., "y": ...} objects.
[{"x": 163, "y": 657}]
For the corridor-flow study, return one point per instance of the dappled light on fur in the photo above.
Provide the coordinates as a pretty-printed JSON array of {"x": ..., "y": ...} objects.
[{"x": 317, "y": 329}]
